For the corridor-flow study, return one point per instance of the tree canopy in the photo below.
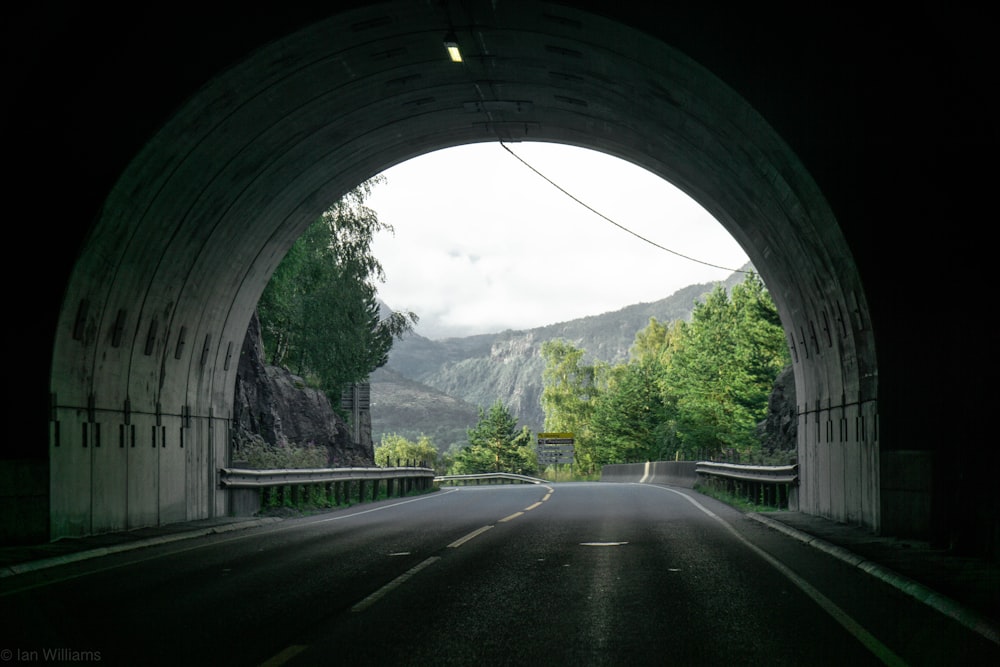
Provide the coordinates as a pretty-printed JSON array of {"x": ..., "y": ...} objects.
[
  {"x": 723, "y": 369},
  {"x": 496, "y": 445},
  {"x": 319, "y": 313},
  {"x": 689, "y": 389},
  {"x": 396, "y": 450}
]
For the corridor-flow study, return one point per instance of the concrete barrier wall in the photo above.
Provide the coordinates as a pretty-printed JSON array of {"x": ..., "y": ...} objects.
[
  {"x": 906, "y": 492},
  {"x": 674, "y": 473},
  {"x": 24, "y": 497}
]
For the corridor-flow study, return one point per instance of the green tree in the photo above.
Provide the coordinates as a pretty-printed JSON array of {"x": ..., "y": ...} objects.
[
  {"x": 656, "y": 341},
  {"x": 396, "y": 450},
  {"x": 496, "y": 445},
  {"x": 630, "y": 421},
  {"x": 569, "y": 388},
  {"x": 319, "y": 312},
  {"x": 722, "y": 368}
]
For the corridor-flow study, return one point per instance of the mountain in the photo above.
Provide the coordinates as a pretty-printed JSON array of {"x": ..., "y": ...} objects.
[{"x": 436, "y": 387}]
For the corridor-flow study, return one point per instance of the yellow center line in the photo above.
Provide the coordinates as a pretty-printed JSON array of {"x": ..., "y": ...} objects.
[
  {"x": 462, "y": 540},
  {"x": 531, "y": 507},
  {"x": 377, "y": 595},
  {"x": 512, "y": 516},
  {"x": 284, "y": 656}
]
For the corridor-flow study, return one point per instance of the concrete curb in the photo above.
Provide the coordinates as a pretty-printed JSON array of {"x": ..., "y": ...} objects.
[
  {"x": 970, "y": 619},
  {"x": 31, "y": 566}
]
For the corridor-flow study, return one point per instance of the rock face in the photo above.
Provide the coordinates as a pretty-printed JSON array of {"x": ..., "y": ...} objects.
[
  {"x": 276, "y": 406},
  {"x": 779, "y": 429}
]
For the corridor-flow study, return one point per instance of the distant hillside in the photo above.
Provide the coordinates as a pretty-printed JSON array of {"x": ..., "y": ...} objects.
[
  {"x": 436, "y": 387},
  {"x": 411, "y": 409}
]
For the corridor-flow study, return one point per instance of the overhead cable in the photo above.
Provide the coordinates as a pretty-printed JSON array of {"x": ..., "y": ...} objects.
[{"x": 616, "y": 224}]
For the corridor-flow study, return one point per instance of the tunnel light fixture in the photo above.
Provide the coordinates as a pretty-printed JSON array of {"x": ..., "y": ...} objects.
[{"x": 451, "y": 43}]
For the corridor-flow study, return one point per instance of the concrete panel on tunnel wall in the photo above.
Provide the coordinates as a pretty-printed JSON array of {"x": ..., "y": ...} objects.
[
  {"x": 172, "y": 472},
  {"x": 872, "y": 464},
  {"x": 110, "y": 470},
  {"x": 143, "y": 467},
  {"x": 69, "y": 474},
  {"x": 219, "y": 449},
  {"x": 853, "y": 482},
  {"x": 823, "y": 464},
  {"x": 195, "y": 438},
  {"x": 838, "y": 473},
  {"x": 871, "y": 506},
  {"x": 808, "y": 471}
]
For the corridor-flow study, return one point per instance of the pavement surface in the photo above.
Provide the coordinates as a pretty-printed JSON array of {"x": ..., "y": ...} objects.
[{"x": 964, "y": 588}]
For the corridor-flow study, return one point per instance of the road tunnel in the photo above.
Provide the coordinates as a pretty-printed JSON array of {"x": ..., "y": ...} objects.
[{"x": 191, "y": 150}]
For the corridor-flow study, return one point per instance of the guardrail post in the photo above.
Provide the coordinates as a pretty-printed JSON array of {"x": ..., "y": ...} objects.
[{"x": 361, "y": 490}]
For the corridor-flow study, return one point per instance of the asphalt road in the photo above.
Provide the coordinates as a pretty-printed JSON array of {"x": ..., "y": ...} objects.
[{"x": 561, "y": 574}]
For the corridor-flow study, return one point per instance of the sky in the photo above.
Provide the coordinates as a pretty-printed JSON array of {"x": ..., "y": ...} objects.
[{"x": 482, "y": 243}]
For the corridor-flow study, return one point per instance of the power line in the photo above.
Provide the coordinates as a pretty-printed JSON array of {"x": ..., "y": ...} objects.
[{"x": 616, "y": 224}]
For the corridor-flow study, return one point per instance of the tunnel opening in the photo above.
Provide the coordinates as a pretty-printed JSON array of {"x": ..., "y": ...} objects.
[{"x": 534, "y": 234}]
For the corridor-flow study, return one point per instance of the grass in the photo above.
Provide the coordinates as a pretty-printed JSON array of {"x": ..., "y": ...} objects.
[
  {"x": 738, "y": 501},
  {"x": 314, "y": 501}
]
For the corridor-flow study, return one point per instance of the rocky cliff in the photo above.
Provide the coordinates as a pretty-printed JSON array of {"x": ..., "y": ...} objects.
[
  {"x": 275, "y": 406},
  {"x": 778, "y": 431}
]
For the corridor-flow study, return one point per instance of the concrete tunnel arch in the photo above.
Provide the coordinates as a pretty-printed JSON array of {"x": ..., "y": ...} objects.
[{"x": 158, "y": 302}]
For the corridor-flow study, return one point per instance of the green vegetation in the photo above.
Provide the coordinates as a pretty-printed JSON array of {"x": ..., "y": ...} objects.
[
  {"x": 496, "y": 445},
  {"x": 314, "y": 498},
  {"x": 319, "y": 313},
  {"x": 261, "y": 456},
  {"x": 746, "y": 497},
  {"x": 395, "y": 450},
  {"x": 689, "y": 390}
]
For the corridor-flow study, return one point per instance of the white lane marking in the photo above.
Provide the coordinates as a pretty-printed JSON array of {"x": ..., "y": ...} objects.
[
  {"x": 511, "y": 517},
  {"x": 881, "y": 651},
  {"x": 602, "y": 544},
  {"x": 374, "y": 597},
  {"x": 246, "y": 536},
  {"x": 376, "y": 509},
  {"x": 400, "y": 553},
  {"x": 462, "y": 540}
]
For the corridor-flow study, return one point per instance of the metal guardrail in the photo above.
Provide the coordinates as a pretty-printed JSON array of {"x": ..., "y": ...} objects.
[
  {"x": 774, "y": 486},
  {"x": 788, "y": 474},
  {"x": 248, "y": 487},
  {"x": 239, "y": 478},
  {"x": 490, "y": 477}
]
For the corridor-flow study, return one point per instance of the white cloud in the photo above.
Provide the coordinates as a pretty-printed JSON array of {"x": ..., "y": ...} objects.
[{"x": 484, "y": 244}]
